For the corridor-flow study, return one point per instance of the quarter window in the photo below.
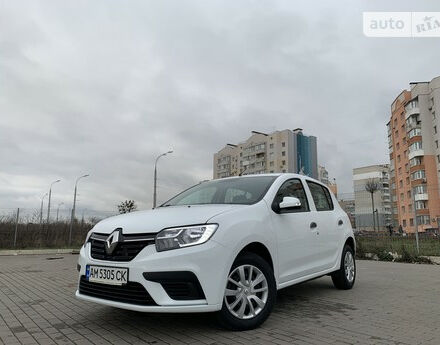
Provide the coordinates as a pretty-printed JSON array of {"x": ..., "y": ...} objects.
[{"x": 321, "y": 196}]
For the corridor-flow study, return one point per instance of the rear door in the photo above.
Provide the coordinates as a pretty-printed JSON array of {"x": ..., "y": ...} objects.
[
  {"x": 326, "y": 220},
  {"x": 296, "y": 240}
]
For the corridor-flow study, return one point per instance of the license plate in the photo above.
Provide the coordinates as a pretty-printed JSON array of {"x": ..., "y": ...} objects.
[{"x": 107, "y": 275}]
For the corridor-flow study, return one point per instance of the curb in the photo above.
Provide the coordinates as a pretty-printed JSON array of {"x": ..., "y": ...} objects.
[{"x": 13, "y": 252}]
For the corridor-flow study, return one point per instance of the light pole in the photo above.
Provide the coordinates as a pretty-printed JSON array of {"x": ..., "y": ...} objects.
[
  {"x": 74, "y": 205},
  {"x": 41, "y": 208},
  {"x": 58, "y": 209},
  {"x": 155, "y": 176},
  {"x": 50, "y": 195}
]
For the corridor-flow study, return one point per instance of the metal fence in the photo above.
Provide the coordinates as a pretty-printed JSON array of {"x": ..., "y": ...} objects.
[{"x": 29, "y": 228}]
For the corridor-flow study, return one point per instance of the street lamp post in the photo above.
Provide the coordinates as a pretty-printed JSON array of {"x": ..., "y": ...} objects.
[
  {"x": 50, "y": 195},
  {"x": 74, "y": 205},
  {"x": 58, "y": 209},
  {"x": 41, "y": 208},
  {"x": 155, "y": 177}
]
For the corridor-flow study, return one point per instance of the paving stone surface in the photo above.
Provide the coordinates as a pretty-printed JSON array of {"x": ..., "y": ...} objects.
[{"x": 391, "y": 303}]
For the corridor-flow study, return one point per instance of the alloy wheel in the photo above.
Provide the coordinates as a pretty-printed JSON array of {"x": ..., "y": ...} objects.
[
  {"x": 349, "y": 266},
  {"x": 246, "y": 292}
]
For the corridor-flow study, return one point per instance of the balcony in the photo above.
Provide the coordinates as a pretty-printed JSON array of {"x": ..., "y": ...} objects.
[
  {"x": 421, "y": 197},
  {"x": 416, "y": 153},
  {"x": 413, "y": 124},
  {"x": 412, "y": 111}
]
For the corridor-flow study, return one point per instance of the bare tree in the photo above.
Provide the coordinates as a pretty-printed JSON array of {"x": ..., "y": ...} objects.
[
  {"x": 371, "y": 187},
  {"x": 127, "y": 206}
]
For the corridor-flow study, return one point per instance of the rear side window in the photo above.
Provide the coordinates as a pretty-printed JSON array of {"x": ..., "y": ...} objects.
[
  {"x": 293, "y": 188},
  {"x": 321, "y": 196}
]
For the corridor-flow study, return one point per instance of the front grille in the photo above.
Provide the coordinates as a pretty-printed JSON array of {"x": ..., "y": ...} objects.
[
  {"x": 126, "y": 250},
  {"x": 131, "y": 293}
]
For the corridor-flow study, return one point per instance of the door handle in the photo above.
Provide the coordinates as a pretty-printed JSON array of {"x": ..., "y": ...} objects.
[
  {"x": 340, "y": 222},
  {"x": 313, "y": 225}
]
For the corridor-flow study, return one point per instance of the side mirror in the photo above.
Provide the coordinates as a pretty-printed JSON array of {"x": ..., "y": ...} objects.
[{"x": 290, "y": 202}]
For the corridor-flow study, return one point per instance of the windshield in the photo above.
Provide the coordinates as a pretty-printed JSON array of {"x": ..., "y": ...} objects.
[{"x": 244, "y": 191}]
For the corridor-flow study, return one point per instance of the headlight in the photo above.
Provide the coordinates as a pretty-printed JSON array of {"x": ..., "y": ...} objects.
[
  {"x": 88, "y": 237},
  {"x": 186, "y": 236}
]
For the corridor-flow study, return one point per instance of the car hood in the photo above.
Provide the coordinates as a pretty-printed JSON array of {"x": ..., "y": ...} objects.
[{"x": 152, "y": 221}]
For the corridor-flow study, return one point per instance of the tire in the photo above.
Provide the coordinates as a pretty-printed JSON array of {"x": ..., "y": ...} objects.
[
  {"x": 345, "y": 277},
  {"x": 237, "y": 294}
]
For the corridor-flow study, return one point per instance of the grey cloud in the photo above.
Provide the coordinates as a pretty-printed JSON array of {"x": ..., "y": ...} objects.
[{"x": 102, "y": 87}]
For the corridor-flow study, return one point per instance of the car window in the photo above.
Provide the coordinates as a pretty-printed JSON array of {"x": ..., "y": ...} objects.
[
  {"x": 321, "y": 196},
  {"x": 293, "y": 188},
  {"x": 242, "y": 190},
  {"x": 202, "y": 196},
  {"x": 237, "y": 196}
]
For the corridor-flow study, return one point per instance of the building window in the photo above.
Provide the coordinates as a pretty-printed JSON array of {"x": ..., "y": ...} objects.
[
  {"x": 271, "y": 146},
  {"x": 436, "y": 144},
  {"x": 414, "y": 132},
  {"x": 398, "y": 158},
  {"x": 397, "y": 146},
  {"x": 401, "y": 196},
  {"x": 400, "y": 171},
  {"x": 283, "y": 144},
  {"x": 423, "y": 220},
  {"x": 419, "y": 174},
  {"x": 407, "y": 180},
  {"x": 412, "y": 104},
  {"x": 408, "y": 194},
  {"x": 415, "y": 161},
  {"x": 283, "y": 162},
  {"x": 400, "y": 183},
  {"x": 438, "y": 158},
  {"x": 415, "y": 146},
  {"x": 404, "y": 223},
  {"x": 271, "y": 164},
  {"x": 403, "y": 209},
  {"x": 283, "y": 153},
  {"x": 435, "y": 129},
  {"x": 411, "y": 222},
  {"x": 420, "y": 189},
  {"x": 284, "y": 170},
  {"x": 421, "y": 205}
]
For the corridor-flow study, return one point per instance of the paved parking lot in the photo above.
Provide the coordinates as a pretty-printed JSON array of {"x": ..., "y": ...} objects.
[{"x": 391, "y": 304}]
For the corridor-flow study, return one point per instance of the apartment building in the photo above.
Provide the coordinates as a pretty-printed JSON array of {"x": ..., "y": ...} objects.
[
  {"x": 362, "y": 198},
  {"x": 279, "y": 151},
  {"x": 413, "y": 140},
  {"x": 323, "y": 174},
  {"x": 348, "y": 205}
]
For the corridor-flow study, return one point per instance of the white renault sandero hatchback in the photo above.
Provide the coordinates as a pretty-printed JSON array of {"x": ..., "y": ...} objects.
[{"x": 222, "y": 246}]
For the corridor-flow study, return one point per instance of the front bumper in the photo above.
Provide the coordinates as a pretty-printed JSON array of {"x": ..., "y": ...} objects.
[{"x": 209, "y": 262}]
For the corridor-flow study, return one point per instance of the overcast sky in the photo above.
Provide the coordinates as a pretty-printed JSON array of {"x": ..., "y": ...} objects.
[{"x": 103, "y": 87}]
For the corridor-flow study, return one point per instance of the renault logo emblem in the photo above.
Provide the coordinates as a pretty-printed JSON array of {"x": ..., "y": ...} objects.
[{"x": 112, "y": 240}]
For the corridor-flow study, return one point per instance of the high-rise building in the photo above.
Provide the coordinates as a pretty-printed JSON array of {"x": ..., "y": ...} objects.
[
  {"x": 323, "y": 174},
  {"x": 413, "y": 137},
  {"x": 378, "y": 174},
  {"x": 279, "y": 151}
]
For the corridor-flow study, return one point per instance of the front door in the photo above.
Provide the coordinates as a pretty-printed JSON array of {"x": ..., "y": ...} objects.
[{"x": 296, "y": 236}]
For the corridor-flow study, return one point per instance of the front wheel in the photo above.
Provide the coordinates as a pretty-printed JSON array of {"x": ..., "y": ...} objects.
[
  {"x": 250, "y": 293},
  {"x": 346, "y": 275}
]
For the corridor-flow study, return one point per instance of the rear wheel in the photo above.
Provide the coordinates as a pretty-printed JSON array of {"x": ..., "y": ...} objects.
[
  {"x": 250, "y": 293},
  {"x": 345, "y": 277}
]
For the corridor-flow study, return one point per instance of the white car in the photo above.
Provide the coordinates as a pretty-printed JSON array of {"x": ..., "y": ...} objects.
[{"x": 222, "y": 246}]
